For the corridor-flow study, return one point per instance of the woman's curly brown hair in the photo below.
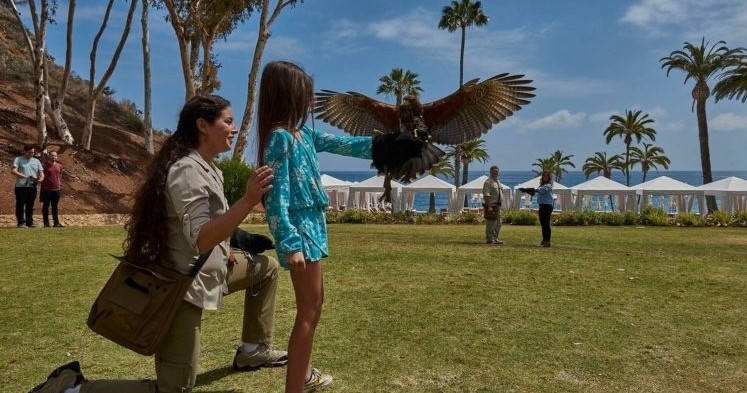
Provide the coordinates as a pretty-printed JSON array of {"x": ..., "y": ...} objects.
[{"x": 147, "y": 226}]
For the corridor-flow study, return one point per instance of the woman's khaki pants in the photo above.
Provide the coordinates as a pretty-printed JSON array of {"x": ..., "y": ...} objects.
[{"x": 177, "y": 359}]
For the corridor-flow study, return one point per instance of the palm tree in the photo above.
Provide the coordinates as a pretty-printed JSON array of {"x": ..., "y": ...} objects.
[
  {"x": 444, "y": 168},
  {"x": 461, "y": 15},
  {"x": 701, "y": 63},
  {"x": 543, "y": 165},
  {"x": 399, "y": 84},
  {"x": 473, "y": 150},
  {"x": 650, "y": 157},
  {"x": 470, "y": 151},
  {"x": 733, "y": 83},
  {"x": 559, "y": 161},
  {"x": 632, "y": 125},
  {"x": 599, "y": 163}
]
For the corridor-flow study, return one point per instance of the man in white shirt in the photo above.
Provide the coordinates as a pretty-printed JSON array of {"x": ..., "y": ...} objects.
[{"x": 492, "y": 195}]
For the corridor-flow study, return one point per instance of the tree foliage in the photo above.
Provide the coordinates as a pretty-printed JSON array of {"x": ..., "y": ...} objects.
[
  {"x": 399, "y": 83},
  {"x": 632, "y": 125},
  {"x": 650, "y": 157},
  {"x": 733, "y": 83},
  {"x": 600, "y": 163},
  {"x": 235, "y": 175},
  {"x": 266, "y": 19},
  {"x": 555, "y": 163},
  {"x": 198, "y": 24},
  {"x": 701, "y": 63},
  {"x": 461, "y": 15}
]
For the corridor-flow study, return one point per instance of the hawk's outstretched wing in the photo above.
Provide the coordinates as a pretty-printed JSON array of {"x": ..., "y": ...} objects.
[
  {"x": 475, "y": 108},
  {"x": 356, "y": 113}
]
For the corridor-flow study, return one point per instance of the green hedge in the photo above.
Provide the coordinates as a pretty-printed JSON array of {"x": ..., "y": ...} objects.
[{"x": 651, "y": 216}]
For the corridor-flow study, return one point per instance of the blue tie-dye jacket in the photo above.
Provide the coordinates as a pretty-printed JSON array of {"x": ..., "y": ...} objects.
[
  {"x": 544, "y": 194},
  {"x": 297, "y": 183}
]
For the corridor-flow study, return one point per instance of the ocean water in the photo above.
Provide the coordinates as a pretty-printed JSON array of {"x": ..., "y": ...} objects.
[{"x": 570, "y": 179}]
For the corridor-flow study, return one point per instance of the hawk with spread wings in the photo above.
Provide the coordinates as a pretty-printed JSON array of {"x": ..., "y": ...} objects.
[{"x": 462, "y": 116}]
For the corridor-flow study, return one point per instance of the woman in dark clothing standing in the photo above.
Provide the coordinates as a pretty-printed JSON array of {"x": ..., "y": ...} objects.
[{"x": 546, "y": 203}]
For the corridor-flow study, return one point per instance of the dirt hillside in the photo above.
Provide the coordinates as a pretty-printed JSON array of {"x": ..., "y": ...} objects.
[{"x": 98, "y": 181}]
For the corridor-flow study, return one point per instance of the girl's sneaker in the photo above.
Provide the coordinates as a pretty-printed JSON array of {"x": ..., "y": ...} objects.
[{"x": 317, "y": 380}]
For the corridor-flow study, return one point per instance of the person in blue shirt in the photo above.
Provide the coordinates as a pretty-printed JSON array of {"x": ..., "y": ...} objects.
[
  {"x": 29, "y": 173},
  {"x": 296, "y": 205},
  {"x": 546, "y": 205}
]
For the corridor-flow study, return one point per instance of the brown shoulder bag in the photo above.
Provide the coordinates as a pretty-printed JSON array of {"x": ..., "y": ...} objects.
[{"x": 137, "y": 305}]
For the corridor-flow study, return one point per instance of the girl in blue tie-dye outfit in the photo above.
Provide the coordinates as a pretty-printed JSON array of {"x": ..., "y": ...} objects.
[{"x": 296, "y": 205}]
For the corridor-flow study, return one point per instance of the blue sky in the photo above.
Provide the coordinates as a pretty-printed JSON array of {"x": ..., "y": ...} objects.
[{"x": 588, "y": 60}]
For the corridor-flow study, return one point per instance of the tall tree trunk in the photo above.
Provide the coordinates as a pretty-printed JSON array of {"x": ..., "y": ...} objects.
[
  {"x": 40, "y": 38},
  {"x": 94, "y": 93},
  {"x": 248, "y": 118},
  {"x": 147, "y": 111},
  {"x": 457, "y": 150},
  {"x": 262, "y": 37},
  {"x": 705, "y": 152},
  {"x": 184, "y": 56},
  {"x": 41, "y": 125},
  {"x": 465, "y": 179},
  {"x": 461, "y": 57},
  {"x": 457, "y": 165},
  {"x": 88, "y": 130},
  {"x": 63, "y": 131},
  {"x": 627, "y": 164},
  {"x": 209, "y": 72},
  {"x": 54, "y": 108}
]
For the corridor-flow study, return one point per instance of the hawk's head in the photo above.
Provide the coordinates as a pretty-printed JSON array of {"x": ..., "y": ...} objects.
[{"x": 410, "y": 109}]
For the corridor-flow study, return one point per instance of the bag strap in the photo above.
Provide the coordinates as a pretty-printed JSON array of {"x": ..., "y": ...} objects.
[
  {"x": 200, "y": 262},
  {"x": 192, "y": 273}
]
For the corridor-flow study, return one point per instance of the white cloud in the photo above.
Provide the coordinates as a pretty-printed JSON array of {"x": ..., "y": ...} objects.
[
  {"x": 561, "y": 119},
  {"x": 489, "y": 51},
  {"x": 720, "y": 19},
  {"x": 569, "y": 87},
  {"x": 343, "y": 29},
  {"x": 728, "y": 122},
  {"x": 670, "y": 126},
  {"x": 602, "y": 117},
  {"x": 655, "y": 12},
  {"x": 415, "y": 29},
  {"x": 656, "y": 112}
]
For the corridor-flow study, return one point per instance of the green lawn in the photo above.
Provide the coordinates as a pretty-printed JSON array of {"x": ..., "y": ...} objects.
[{"x": 430, "y": 309}]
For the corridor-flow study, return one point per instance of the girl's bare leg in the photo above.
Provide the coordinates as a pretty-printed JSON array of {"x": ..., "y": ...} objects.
[{"x": 308, "y": 286}]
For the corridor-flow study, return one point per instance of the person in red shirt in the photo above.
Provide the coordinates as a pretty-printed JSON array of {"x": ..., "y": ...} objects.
[{"x": 50, "y": 189}]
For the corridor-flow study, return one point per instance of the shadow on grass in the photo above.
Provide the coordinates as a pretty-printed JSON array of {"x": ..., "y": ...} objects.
[
  {"x": 211, "y": 376},
  {"x": 220, "y": 391}
]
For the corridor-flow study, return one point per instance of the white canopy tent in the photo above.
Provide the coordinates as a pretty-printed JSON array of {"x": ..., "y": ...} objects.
[
  {"x": 365, "y": 195},
  {"x": 475, "y": 188},
  {"x": 732, "y": 191},
  {"x": 683, "y": 195},
  {"x": 601, "y": 185},
  {"x": 563, "y": 194},
  {"x": 337, "y": 191},
  {"x": 428, "y": 183}
]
